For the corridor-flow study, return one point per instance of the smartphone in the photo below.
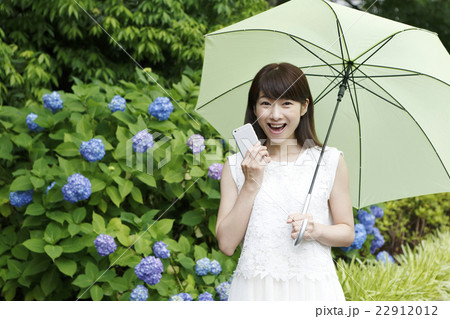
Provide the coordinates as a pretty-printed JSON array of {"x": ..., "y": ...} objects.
[{"x": 245, "y": 137}]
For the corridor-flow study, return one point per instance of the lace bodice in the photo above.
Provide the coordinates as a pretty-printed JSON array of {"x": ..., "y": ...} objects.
[{"x": 267, "y": 246}]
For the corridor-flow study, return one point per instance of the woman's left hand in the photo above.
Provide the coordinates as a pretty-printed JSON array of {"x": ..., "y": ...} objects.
[{"x": 297, "y": 222}]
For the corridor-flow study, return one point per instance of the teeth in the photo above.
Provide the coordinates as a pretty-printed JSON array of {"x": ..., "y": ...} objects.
[{"x": 276, "y": 126}]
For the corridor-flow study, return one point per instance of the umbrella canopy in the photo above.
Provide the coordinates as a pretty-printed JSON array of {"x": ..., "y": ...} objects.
[{"x": 393, "y": 121}]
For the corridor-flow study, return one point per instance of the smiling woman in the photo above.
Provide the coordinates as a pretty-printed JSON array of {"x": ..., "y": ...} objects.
[{"x": 261, "y": 198}]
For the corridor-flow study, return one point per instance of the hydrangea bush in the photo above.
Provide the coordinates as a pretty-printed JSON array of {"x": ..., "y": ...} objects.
[{"x": 80, "y": 219}]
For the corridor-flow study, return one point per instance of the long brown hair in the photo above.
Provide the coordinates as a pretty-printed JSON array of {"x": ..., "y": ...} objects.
[{"x": 276, "y": 80}]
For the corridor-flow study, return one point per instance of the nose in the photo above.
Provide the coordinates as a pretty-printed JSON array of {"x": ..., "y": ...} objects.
[{"x": 275, "y": 111}]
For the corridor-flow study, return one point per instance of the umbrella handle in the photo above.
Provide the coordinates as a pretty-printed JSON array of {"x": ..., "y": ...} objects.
[{"x": 305, "y": 221}]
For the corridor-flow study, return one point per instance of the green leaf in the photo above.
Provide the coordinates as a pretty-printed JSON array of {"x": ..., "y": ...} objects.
[
  {"x": 49, "y": 281},
  {"x": 67, "y": 149},
  {"x": 66, "y": 266},
  {"x": 173, "y": 176},
  {"x": 37, "y": 265},
  {"x": 114, "y": 195},
  {"x": 37, "y": 182},
  {"x": 96, "y": 292},
  {"x": 199, "y": 252},
  {"x": 137, "y": 195},
  {"x": 72, "y": 245},
  {"x": 52, "y": 233},
  {"x": 34, "y": 210},
  {"x": 196, "y": 172},
  {"x": 164, "y": 226},
  {"x": 193, "y": 217},
  {"x": 126, "y": 188},
  {"x": 23, "y": 140},
  {"x": 118, "y": 283},
  {"x": 35, "y": 245},
  {"x": 185, "y": 245},
  {"x": 21, "y": 183},
  {"x": 78, "y": 215},
  {"x": 209, "y": 279},
  {"x": 186, "y": 262},
  {"x": 114, "y": 226},
  {"x": 97, "y": 185},
  {"x": 98, "y": 223},
  {"x": 53, "y": 251},
  {"x": 83, "y": 281},
  {"x": 147, "y": 179}
]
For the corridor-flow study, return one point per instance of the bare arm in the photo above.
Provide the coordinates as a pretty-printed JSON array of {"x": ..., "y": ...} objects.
[
  {"x": 342, "y": 233},
  {"x": 234, "y": 211}
]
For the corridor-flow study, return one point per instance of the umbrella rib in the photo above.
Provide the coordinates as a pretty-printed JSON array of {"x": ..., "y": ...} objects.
[
  {"x": 320, "y": 96},
  {"x": 385, "y": 76},
  {"x": 373, "y": 53},
  {"x": 365, "y": 88},
  {"x": 318, "y": 57}
]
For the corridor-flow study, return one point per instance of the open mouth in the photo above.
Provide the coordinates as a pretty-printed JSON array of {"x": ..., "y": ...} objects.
[{"x": 276, "y": 129}]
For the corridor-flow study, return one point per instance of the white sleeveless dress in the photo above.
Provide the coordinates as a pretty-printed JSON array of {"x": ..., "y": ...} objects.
[{"x": 270, "y": 266}]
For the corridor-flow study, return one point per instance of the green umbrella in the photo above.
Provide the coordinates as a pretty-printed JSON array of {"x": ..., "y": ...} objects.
[{"x": 393, "y": 120}]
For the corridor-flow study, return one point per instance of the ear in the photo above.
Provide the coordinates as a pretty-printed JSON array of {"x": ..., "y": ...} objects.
[{"x": 304, "y": 107}]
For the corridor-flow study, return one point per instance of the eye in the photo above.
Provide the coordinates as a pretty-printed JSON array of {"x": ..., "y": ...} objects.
[
  {"x": 265, "y": 103},
  {"x": 288, "y": 103}
]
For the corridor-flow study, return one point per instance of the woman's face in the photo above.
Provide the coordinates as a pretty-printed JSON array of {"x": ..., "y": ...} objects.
[{"x": 281, "y": 111}]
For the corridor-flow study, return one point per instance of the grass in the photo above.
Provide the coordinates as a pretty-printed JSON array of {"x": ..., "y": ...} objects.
[{"x": 419, "y": 274}]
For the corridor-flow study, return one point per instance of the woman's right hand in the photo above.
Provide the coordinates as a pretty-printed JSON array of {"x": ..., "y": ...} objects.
[{"x": 253, "y": 165}]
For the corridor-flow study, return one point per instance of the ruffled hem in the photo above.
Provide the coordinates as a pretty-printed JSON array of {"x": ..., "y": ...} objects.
[{"x": 266, "y": 288}]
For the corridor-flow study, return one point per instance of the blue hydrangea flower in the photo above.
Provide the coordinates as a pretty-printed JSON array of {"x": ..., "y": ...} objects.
[
  {"x": 149, "y": 270},
  {"x": 142, "y": 141},
  {"x": 223, "y": 290},
  {"x": 215, "y": 171},
  {"x": 105, "y": 244},
  {"x": 31, "y": 125},
  {"x": 206, "y": 296},
  {"x": 176, "y": 298},
  {"x": 92, "y": 150},
  {"x": 53, "y": 101},
  {"x": 203, "y": 266},
  {"x": 378, "y": 241},
  {"x": 384, "y": 256},
  {"x": 215, "y": 267},
  {"x": 377, "y": 211},
  {"x": 223, "y": 143},
  {"x": 161, "y": 108},
  {"x": 140, "y": 293},
  {"x": 160, "y": 250},
  {"x": 182, "y": 296},
  {"x": 360, "y": 238},
  {"x": 231, "y": 278},
  {"x": 196, "y": 143},
  {"x": 367, "y": 219},
  {"x": 50, "y": 187},
  {"x": 78, "y": 188},
  {"x": 21, "y": 198},
  {"x": 117, "y": 104}
]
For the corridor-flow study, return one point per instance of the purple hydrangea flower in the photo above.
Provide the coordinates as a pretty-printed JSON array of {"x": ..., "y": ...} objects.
[
  {"x": 224, "y": 290},
  {"x": 161, "y": 108},
  {"x": 53, "y": 101},
  {"x": 31, "y": 125},
  {"x": 93, "y": 150},
  {"x": 105, "y": 244},
  {"x": 377, "y": 211},
  {"x": 215, "y": 267},
  {"x": 203, "y": 266},
  {"x": 182, "y": 296},
  {"x": 206, "y": 296},
  {"x": 215, "y": 171},
  {"x": 21, "y": 198},
  {"x": 142, "y": 141},
  {"x": 378, "y": 241},
  {"x": 149, "y": 270},
  {"x": 196, "y": 143},
  {"x": 140, "y": 293},
  {"x": 160, "y": 250},
  {"x": 50, "y": 187},
  {"x": 117, "y": 104},
  {"x": 77, "y": 188},
  {"x": 367, "y": 219},
  {"x": 384, "y": 256}
]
